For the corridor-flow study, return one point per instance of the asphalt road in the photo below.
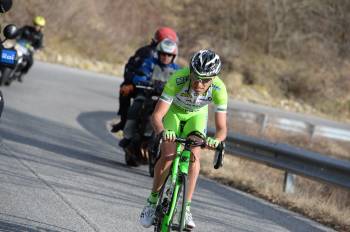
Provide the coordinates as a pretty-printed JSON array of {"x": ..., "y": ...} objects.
[{"x": 61, "y": 170}]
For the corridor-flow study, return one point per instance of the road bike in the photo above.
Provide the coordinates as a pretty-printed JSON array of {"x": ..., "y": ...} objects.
[{"x": 171, "y": 207}]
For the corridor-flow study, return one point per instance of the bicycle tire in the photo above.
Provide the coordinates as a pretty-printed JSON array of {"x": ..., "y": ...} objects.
[
  {"x": 130, "y": 160},
  {"x": 183, "y": 203},
  {"x": 179, "y": 224}
]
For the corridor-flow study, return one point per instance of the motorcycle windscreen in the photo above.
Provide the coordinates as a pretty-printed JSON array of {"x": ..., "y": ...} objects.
[{"x": 8, "y": 57}]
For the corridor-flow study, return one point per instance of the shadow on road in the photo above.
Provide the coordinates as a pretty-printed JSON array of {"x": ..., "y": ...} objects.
[
  {"x": 27, "y": 225},
  {"x": 96, "y": 147}
]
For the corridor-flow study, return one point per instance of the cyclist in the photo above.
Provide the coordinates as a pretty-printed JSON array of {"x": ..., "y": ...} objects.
[
  {"x": 127, "y": 88},
  {"x": 34, "y": 35},
  {"x": 185, "y": 100},
  {"x": 153, "y": 69}
]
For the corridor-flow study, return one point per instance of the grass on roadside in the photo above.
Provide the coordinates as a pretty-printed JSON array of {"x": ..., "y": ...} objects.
[
  {"x": 325, "y": 203},
  {"x": 322, "y": 202}
]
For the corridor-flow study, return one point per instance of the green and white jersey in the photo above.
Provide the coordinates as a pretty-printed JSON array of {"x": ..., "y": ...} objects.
[{"x": 177, "y": 91}]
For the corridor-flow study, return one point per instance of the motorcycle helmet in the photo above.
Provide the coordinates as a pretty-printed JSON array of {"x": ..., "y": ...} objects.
[
  {"x": 10, "y": 31},
  {"x": 205, "y": 64},
  {"x": 39, "y": 21},
  {"x": 167, "y": 46},
  {"x": 165, "y": 32}
]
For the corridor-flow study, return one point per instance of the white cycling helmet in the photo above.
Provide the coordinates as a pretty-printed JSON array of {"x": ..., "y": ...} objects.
[
  {"x": 167, "y": 46},
  {"x": 205, "y": 64}
]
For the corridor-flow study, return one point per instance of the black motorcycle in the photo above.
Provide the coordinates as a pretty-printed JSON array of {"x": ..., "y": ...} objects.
[
  {"x": 8, "y": 55},
  {"x": 24, "y": 53},
  {"x": 138, "y": 150}
]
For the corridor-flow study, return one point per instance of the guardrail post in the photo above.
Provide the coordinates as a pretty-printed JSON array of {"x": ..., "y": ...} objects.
[
  {"x": 288, "y": 185},
  {"x": 262, "y": 120},
  {"x": 312, "y": 129}
]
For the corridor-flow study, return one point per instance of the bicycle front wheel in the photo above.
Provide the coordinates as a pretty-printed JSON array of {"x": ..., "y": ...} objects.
[
  {"x": 177, "y": 222},
  {"x": 163, "y": 203}
]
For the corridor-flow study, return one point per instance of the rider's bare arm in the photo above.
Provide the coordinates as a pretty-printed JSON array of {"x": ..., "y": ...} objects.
[
  {"x": 221, "y": 126},
  {"x": 160, "y": 110}
]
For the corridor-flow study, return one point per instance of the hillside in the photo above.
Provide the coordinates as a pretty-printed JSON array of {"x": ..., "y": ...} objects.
[{"x": 289, "y": 54}]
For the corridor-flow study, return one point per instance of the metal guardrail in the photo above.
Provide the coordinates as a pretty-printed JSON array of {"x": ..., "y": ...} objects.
[
  {"x": 295, "y": 122},
  {"x": 290, "y": 159}
]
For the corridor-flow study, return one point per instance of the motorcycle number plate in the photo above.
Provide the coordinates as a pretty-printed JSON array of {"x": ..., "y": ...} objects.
[{"x": 8, "y": 57}]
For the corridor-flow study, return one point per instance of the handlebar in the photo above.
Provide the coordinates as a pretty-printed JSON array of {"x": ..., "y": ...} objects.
[
  {"x": 219, "y": 151},
  {"x": 143, "y": 87}
]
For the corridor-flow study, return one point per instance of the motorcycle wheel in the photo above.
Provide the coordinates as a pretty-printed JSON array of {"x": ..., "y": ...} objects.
[
  {"x": 5, "y": 76},
  {"x": 20, "y": 77},
  {"x": 129, "y": 159}
]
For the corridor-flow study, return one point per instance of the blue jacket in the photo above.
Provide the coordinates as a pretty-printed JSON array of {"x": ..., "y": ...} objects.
[{"x": 153, "y": 69}]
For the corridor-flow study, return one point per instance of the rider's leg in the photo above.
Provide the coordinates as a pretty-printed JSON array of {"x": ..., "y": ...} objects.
[
  {"x": 130, "y": 126},
  {"x": 162, "y": 167},
  {"x": 195, "y": 128},
  {"x": 193, "y": 172},
  {"x": 160, "y": 172},
  {"x": 168, "y": 149},
  {"x": 124, "y": 105}
]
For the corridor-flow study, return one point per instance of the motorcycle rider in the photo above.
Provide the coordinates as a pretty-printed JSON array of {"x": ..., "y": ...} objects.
[
  {"x": 34, "y": 35},
  {"x": 153, "y": 69},
  {"x": 127, "y": 88}
]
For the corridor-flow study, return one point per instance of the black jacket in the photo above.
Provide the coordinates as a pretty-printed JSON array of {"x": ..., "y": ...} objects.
[
  {"x": 33, "y": 36},
  {"x": 136, "y": 61}
]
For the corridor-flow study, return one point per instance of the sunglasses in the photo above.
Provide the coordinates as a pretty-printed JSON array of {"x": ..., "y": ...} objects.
[{"x": 198, "y": 79}]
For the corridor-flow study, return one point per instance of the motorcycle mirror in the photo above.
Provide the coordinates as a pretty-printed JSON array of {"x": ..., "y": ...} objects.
[
  {"x": 10, "y": 31},
  {"x": 5, "y": 5}
]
